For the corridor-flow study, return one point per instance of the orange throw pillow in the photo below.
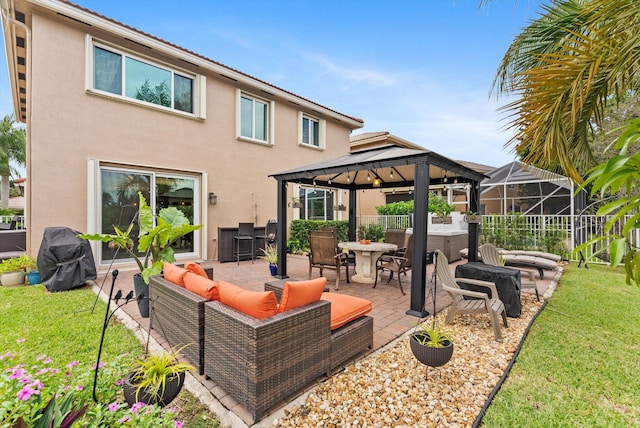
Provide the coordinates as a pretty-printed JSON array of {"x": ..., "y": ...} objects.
[
  {"x": 300, "y": 293},
  {"x": 258, "y": 304},
  {"x": 345, "y": 308},
  {"x": 201, "y": 286},
  {"x": 173, "y": 273},
  {"x": 195, "y": 268}
]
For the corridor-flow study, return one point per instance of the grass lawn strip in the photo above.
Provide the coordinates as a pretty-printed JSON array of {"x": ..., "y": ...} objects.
[
  {"x": 62, "y": 327},
  {"x": 580, "y": 364}
]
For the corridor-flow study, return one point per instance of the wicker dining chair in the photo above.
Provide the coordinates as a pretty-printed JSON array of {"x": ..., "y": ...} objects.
[
  {"x": 480, "y": 302},
  {"x": 491, "y": 256}
]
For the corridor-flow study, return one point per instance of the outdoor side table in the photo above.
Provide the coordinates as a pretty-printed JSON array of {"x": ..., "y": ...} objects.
[{"x": 507, "y": 283}]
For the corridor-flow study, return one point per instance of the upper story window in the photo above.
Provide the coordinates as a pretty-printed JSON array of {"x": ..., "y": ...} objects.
[
  {"x": 311, "y": 131},
  {"x": 254, "y": 118},
  {"x": 123, "y": 75}
]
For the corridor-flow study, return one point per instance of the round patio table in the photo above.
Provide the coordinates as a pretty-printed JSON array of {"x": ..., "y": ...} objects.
[{"x": 366, "y": 256}]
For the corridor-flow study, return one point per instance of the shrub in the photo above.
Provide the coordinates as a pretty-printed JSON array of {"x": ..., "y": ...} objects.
[{"x": 299, "y": 232}]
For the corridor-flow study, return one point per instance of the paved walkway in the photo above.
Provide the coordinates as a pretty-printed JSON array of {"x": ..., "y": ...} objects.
[{"x": 389, "y": 315}]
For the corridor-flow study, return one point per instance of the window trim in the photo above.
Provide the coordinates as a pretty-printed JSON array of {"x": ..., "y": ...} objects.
[
  {"x": 271, "y": 106},
  {"x": 199, "y": 81},
  {"x": 322, "y": 126}
]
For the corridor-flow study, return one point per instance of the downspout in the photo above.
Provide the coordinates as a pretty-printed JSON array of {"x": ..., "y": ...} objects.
[{"x": 27, "y": 209}]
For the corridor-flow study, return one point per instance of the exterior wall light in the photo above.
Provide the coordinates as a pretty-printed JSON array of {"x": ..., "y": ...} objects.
[{"x": 213, "y": 199}]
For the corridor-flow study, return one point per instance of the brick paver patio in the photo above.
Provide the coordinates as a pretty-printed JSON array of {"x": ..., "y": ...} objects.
[{"x": 389, "y": 308}]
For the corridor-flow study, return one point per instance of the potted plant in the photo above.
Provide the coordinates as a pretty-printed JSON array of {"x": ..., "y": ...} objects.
[
  {"x": 440, "y": 208},
  {"x": 370, "y": 232},
  {"x": 295, "y": 202},
  {"x": 472, "y": 217},
  {"x": 431, "y": 345},
  {"x": 155, "y": 378},
  {"x": 340, "y": 207},
  {"x": 270, "y": 254},
  {"x": 13, "y": 270},
  {"x": 154, "y": 247}
]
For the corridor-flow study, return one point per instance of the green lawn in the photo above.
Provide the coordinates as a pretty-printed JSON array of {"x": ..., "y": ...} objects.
[
  {"x": 61, "y": 326},
  {"x": 580, "y": 365}
]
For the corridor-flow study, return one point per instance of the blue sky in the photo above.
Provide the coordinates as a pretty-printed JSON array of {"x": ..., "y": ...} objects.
[{"x": 420, "y": 69}]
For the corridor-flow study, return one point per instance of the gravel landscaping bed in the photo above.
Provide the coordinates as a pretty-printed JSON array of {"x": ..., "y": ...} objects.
[{"x": 388, "y": 388}]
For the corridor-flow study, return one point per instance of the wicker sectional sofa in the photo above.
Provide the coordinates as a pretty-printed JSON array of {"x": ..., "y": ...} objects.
[
  {"x": 178, "y": 314},
  {"x": 258, "y": 362}
]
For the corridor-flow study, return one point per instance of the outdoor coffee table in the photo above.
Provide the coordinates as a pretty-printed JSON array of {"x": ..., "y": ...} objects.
[{"x": 366, "y": 256}]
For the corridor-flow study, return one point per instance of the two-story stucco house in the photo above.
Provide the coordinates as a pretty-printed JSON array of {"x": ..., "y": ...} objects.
[{"x": 111, "y": 110}]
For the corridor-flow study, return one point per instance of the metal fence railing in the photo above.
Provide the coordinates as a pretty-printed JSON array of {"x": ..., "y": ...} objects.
[
  {"x": 559, "y": 234},
  {"x": 19, "y": 220}
]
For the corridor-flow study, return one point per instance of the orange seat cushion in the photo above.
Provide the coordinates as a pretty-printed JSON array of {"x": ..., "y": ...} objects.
[
  {"x": 201, "y": 286},
  {"x": 174, "y": 274},
  {"x": 258, "y": 304},
  {"x": 195, "y": 268},
  {"x": 345, "y": 308},
  {"x": 300, "y": 293}
]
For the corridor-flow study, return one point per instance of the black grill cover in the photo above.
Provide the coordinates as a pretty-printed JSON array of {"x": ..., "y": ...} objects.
[{"x": 65, "y": 261}]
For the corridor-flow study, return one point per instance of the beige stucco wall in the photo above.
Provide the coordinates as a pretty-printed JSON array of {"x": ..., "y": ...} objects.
[{"x": 69, "y": 126}]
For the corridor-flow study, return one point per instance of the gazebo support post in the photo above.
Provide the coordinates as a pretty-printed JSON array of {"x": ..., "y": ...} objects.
[
  {"x": 419, "y": 255},
  {"x": 353, "y": 227},
  {"x": 281, "y": 231},
  {"x": 474, "y": 228}
]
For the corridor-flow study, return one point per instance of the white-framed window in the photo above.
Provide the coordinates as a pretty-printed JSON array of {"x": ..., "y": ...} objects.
[
  {"x": 254, "y": 118},
  {"x": 117, "y": 73},
  {"x": 116, "y": 201},
  {"x": 311, "y": 131},
  {"x": 317, "y": 204}
]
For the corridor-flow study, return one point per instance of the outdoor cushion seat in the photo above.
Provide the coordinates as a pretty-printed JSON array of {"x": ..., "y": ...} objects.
[
  {"x": 523, "y": 258},
  {"x": 553, "y": 257},
  {"x": 345, "y": 309},
  {"x": 258, "y": 304}
]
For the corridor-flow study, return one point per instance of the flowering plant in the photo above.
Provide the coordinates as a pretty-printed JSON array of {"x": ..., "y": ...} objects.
[{"x": 35, "y": 392}]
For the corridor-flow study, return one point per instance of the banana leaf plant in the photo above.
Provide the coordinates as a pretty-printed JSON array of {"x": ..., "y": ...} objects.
[{"x": 155, "y": 239}]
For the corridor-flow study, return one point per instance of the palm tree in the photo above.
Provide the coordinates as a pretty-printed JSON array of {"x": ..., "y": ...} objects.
[
  {"x": 12, "y": 148},
  {"x": 565, "y": 68}
]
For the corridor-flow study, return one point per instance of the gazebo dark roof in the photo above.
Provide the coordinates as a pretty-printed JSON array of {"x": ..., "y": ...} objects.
[
  {"x": 350, "y": 171},
  {"x": 393, "y": 166}
]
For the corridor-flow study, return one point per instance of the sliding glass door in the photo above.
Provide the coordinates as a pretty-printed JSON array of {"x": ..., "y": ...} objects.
[{"x": 119, "y": 203}]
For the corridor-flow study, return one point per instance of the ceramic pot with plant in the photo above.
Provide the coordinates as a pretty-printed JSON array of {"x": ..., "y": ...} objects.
[
  {"x": 270, "y": 254},
  {"x": 13, "y": 269},
  {"x": 155, "y": 378},
  {"x": 472, "y": 217},
  {"x": 155, "y": 240}
]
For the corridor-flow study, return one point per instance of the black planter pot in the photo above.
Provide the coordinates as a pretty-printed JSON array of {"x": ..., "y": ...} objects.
[
  {"x": 171, "y": 391},
  {"x": 142, "y": 289},
  {"x": 432, "y": 357}
]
